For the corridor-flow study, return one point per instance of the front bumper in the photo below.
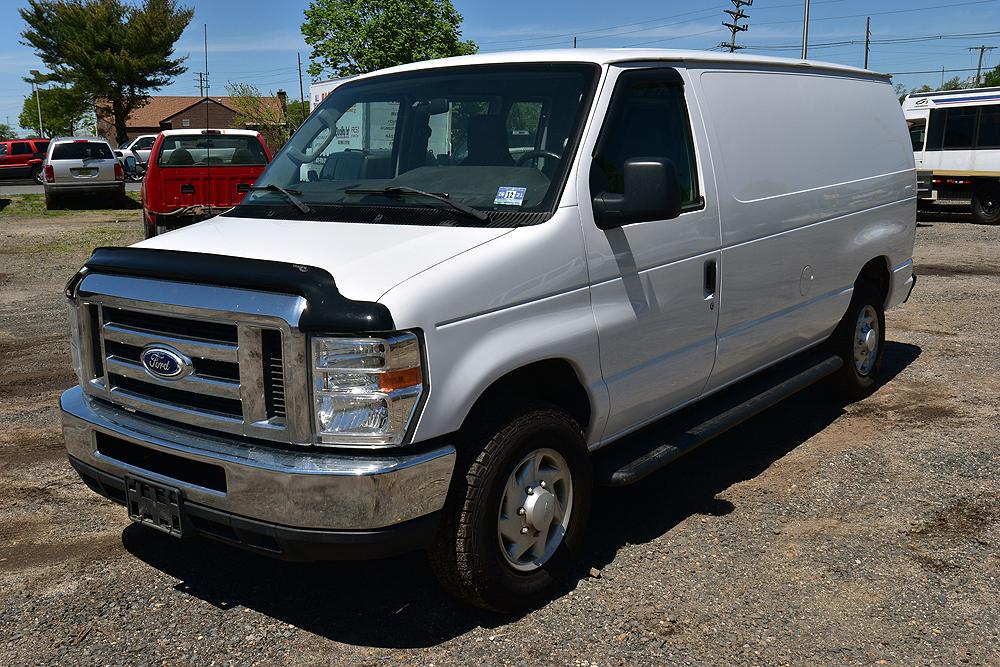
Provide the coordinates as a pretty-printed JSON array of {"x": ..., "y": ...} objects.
[{"x": 238, "y": 489}]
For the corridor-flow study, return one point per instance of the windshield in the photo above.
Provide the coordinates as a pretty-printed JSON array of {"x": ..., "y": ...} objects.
[
  {"x": 495, "y": 138},
  {"x": 197, "y": 150}
]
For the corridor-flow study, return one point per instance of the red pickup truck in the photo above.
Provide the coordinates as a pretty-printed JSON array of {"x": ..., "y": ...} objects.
[{"x": 193, "y": 175}]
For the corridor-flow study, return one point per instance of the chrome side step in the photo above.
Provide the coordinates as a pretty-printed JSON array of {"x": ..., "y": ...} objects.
[{"x": 653, "y": 447}]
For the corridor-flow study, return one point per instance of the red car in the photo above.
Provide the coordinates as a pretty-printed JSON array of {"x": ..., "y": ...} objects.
[
  {"x": 193, "y": 175},
  {"x": 22, "y": 158}
]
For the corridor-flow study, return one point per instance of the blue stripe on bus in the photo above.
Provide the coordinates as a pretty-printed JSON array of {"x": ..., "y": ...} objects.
[{"x": 955, "y": 100}]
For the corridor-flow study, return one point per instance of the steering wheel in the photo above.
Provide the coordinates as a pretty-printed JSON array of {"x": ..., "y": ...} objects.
[{"x": 536, "y": 154}]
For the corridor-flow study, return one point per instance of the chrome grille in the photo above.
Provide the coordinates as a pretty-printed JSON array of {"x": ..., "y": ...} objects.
[{"x": 237, "y": 381}]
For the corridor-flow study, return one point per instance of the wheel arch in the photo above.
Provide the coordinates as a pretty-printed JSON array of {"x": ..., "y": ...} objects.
[
  {"x": 877, "y": 271},
  {"x": 555, "y": 381}
]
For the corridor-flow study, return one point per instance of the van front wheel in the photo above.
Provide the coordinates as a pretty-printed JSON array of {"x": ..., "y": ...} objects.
[
  {"x": 517, "y": 510},
  {"x": 986, "y": 205},
  {"x": 860, "y": 341}
]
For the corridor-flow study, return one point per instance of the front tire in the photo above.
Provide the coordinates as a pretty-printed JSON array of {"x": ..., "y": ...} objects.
[
  {"x": 860, "y": 341},
  {"x": 986, "y": 205},
  {"x": 517, "y": 511}
]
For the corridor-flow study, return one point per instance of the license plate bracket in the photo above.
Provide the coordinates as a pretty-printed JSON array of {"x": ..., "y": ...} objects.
[{"x": 155, "y": 505}]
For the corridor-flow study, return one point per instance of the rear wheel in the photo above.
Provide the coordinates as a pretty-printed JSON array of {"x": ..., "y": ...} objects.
[
  {"x": 53, "y": 202},
  {"x": 517, "y": 510},
  {"x": 36, "y": 175},
  {"x": 860, "y": 341},
  {"x": 986, "y": 205}
]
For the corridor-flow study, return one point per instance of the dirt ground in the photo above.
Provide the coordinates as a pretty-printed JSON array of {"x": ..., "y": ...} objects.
[{"x": 814, "y": 534}]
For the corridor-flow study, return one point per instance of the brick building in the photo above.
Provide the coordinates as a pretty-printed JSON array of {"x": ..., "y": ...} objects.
[{"x": 173, "y": 112}]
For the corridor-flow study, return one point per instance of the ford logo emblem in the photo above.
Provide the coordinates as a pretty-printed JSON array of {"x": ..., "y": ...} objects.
[{"x": 165, "y": 363}]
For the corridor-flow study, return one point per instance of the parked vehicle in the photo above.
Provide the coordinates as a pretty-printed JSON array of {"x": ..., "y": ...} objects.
[
  {"x": 195, "y": 174},
  {"x": 81, "y": 166},
  {"x": 956, "y": 141},
  {"x": 140, "y": 147},
  {"x": 380, "y": 349},
  {"x": 22, "y": 158}
]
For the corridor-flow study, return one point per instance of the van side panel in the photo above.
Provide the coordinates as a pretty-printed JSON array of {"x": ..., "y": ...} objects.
[{"x": 816, "y": 178}]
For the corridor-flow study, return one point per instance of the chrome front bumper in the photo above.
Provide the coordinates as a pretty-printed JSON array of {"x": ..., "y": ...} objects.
[{"x": 308, "y": 489}]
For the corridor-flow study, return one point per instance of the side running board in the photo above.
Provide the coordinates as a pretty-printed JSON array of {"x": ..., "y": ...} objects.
[{"x": 653, "y": 447}]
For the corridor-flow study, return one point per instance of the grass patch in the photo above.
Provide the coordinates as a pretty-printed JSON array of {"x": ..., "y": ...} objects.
[
  {"x": 91, "y": 237},
  {"x": 33, "y": 206}
]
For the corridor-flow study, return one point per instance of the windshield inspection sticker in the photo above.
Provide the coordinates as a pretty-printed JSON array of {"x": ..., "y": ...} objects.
[{"x": 510, "y": 196}]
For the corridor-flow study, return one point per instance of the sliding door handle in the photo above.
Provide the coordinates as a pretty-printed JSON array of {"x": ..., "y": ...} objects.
[{"x": 711, "y": 280}]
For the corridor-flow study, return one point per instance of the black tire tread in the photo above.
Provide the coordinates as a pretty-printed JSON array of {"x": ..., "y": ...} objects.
[{"x": 452, "y": 556}]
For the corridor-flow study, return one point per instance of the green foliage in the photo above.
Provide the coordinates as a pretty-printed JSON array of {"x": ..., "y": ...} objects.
[
  {"x": 953, "y": 84},
  {"x": 357, "y": 36},
  {"x": 296, "y": 112},
  {"x": 63, "y": 110},
  {"x": 259, "y": 112},
  {"x": 7, "y": 132},
  {"x": 112, "y": 51},
  {"x": 991, "y": 78}
]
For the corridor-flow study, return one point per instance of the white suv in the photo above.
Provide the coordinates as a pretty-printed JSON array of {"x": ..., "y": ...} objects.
[
  {"x": 415, "y": 331},
  {"x": 76, "y": 166}
]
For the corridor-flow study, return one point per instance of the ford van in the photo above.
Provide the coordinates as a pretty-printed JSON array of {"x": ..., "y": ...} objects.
[{"x": 416, "y": 331}]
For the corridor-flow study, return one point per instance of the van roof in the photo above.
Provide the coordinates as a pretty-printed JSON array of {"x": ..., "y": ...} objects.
[
  {"x": 97, "y": 139},
  {"x": 612, "y": 56}
]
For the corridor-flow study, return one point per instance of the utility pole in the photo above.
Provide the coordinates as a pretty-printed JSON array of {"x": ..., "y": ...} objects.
[
  {"x": 201, "y": 83},
  {"x": 805, "y": 33},
  {"x": 736, "y": 27},
  {"x": 574, "y": 41},
  {"x": 868, "y": 39},
  {"x": 302, "y": 95},
  {"x": 36, "y": 78},
  {"x": 979, "y": 68}
]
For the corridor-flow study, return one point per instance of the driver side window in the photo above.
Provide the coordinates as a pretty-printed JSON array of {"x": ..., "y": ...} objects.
[{"x": 648, "y": 118}]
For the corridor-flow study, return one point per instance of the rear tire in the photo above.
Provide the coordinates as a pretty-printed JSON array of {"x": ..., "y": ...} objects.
[
  {"x": 490, "y": 551},
  {"x": 859, "y": 340},
  {"x": 986, "y": 205},
  {"x": 36, "y": 175},
  {"x": 53, "y": 202}
]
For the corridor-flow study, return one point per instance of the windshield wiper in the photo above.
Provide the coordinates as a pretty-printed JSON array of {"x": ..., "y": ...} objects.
[
  {"x": 396, "y": 190},
  {"x": 288, "y": 194}
]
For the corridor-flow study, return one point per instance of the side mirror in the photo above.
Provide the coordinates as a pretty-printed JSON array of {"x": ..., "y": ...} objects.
[
  {"x": 129, "y": 165},
  {"x": 652, "y": 192}
]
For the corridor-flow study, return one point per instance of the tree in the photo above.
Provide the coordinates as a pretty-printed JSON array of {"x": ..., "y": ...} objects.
[
  {"x": 113, "y": 52},
  {"x": 953, "y": 84},
  {"x": 356, "y": 36},
  {"x": 7, "y": 132},
  {"x": 296, "y": 112},
  {"x": 991, "y": 78},
  {"x": 62, "y": 111},
  {"x": 262, "y": 113}
]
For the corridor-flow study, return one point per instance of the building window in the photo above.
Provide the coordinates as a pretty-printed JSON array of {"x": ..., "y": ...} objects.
[{"x": 186, "y": 122}]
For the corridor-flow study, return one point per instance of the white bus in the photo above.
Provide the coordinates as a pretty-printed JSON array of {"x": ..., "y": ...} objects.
[{"x": 956, "y": 145}]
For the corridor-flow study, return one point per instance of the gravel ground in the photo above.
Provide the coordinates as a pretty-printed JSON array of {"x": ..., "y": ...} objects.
[{"x": 814, "y": 534}]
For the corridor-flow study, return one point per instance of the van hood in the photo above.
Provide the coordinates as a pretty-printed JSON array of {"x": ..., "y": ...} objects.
[{"x": 365, "y": 260}]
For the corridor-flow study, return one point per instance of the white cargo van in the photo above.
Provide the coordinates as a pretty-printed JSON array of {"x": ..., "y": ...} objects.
[
  {"x": 610, "y": 257},
  {"x": 956, "y": 145}
]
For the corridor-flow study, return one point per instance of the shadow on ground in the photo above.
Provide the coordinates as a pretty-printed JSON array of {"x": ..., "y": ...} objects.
[
  {"x": 4, "y": 203},
  {"x": 98, "y": 202},
  {"x": 396, "y": 602}
]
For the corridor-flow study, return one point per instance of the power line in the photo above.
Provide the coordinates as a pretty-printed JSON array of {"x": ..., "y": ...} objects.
[{"x": 888, "y": 40}]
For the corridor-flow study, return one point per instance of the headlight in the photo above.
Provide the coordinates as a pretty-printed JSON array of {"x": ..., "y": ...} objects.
[{"x": 365, "y": 390}]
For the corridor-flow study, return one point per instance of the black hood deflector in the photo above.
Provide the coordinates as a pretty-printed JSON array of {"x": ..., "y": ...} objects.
[{"x": 327, "y": 310}]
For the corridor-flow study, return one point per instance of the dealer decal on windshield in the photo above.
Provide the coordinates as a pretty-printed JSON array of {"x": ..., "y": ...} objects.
[{"x": 510, "y": 196}]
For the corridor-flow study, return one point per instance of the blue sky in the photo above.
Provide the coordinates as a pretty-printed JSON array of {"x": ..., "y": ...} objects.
[{"x": 256, "y": 42}]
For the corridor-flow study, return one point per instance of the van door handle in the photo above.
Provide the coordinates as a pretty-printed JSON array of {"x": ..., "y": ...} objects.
[
  {"x": 711, "y": 280},
  {"x": 243, "y": 187},
  {"x": 187, "y": 189}
]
